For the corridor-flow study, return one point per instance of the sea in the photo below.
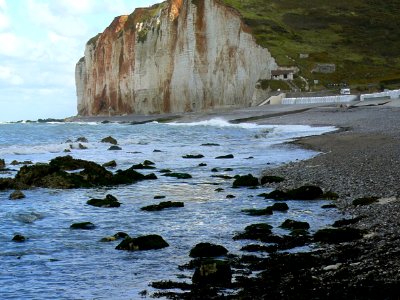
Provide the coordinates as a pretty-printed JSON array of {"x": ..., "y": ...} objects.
[{"x": 56, "y": 262}]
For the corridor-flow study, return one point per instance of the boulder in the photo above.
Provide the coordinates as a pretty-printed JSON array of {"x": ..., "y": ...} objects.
[
  {"x": 258, "y": 212},
  {"x": 306, "y": 192},
  {"x": 114, "y": 148},
  {"x": 207, "y": 250},
  {"x": 83, "y": 225},
  {"x": 245, "y": 181},
  {"x": 213, "y": 272},
  {"x": 108, "y": 201},
  {"x": 19, "y": 238},
  {"x": 142, "y": 167},
  {"x": 202, "y": 165},
  {"x": 260, "y": 232},
  {"x": 271, "y": 179},
  {"x": 7, "y": 184},
  {"x": 16, "y": 195},
  {"x": 193, "y": 156},
  {"x": 280, "y": 206},
  {"x": 337, "y": 235},
  {"x": 293, "y": 225},
  {"x": 229, "y": 156},
  {"x": 178, "y": 175},
  {"x": 2, "y": 164},
  {"x": 365, "y": 201},
  {"x": 16, "y": 163},
  {"x": 110, "y": 164},
  {"x": 148, "y": 163},
  {"x": 115, "y": 237},
  {"x": 82, "y": 147},
  {"x": 82, "y": 139},
  {"x": 146, "y": 242},
  {"x": 230, "y": 196},
  {"x": 346, "y": 222},
  {"x": 109, "y": 140},
  {"x": 163, "y": 205}
]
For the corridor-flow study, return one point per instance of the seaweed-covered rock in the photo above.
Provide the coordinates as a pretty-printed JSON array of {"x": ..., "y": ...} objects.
[
  {"x": 178, "y": 175},
  {"x": 109, "y": 140},
  {"x": 114, "y": 148},
  {"x": 193, "y": 156},
  {"x": 365, "y": 201},
  {"x": 2, "y": 164},
  {"x": 142, "y": 167},
  {"x": 258, "y": 212},
  {"x": 110, "y": 164},
  {"x": 129, "y": 176},
  {"x": 16, "y": 195},
  {"x": 115, "y": 237},
  {"x": 83, "y": 225},
  {"x": 229, "y": 156},
  {"x": 279, "y": 206},
  {"x": 148, "y": 163},
  {"x": 230, "y": 196},
  {"x": 345, "y": 222},
  {"x": 327, "y": 206},
  {"x": 276, "y": 195},
  {"x": 7, "y": 184},
  {"x": 293, "y": 225},
  {"x": 82, "y": 147},
  {"x": 271, "y": 179},
  {"x": 145, "y": 242},
  {"x": 337, "y": 235},
  {"x": 163, "y": 205},
  {"x": 108, "y": 201},
  {"x": 329, "y": 195},
  {"x": 260, "y": 248},
  {"x": 25, "y": 162},
  {"x": 306, "y": 192},
  {"x": 213, "y": 272},
  {"x": 207, "y": 250},
  {"x": 19, "y": 238},
  {"x": 246, "y": 181}
]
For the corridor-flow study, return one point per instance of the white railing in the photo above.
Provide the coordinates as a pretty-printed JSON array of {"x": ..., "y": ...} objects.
[
  {"x": 326, "y": 99},
  {"x": 395, "y": 94}
]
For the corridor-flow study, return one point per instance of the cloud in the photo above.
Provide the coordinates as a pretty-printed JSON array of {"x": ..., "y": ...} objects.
[
  {"x": 3, "y": 5},
  {"x": 9, "y": 76}
]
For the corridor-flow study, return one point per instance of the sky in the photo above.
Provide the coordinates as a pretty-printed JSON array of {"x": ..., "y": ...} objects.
[{"x": 40, "y": 43}]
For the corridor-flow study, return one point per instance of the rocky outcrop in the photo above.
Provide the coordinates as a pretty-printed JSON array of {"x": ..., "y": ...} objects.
[{"x": 177, "y": 56}]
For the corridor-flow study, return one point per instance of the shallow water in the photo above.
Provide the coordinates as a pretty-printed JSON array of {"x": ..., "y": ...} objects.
[{"x": 58, "y": 263}]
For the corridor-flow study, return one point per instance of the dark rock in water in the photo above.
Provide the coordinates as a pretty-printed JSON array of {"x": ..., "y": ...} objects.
[
  {"x": 82, "y": 147},
  {"x": 148, "y": 163},
  {"x": 245, "y": 181},
  {"x": 260, "y": 232},
  {"x": 81, "y": 139},
  {"x": 207, "y": 250},
  {"x": 194, "y": 156},
  {"x": 16, "y": 195},
  {"x": 83, "y": 225},
  {"x": 228, "y": 170},
  {"x": 16, "y": 163},
  {"x": 159, "y": 197},
  {"x": 230, "y": 196},
  {"x": 365, "y": 201},
  {"x": 222, "y": 176},
  {"x": 213, "y": 272},
  {"x": 165, "y": 171},
  {"x": 105, "y": 122},
  {"x": 109, "y": 140},
  {"x": 219, "y": 190},
  {"x": 292, "y": 224},
  {"x": 115, "y": 237},
  {"x": 163, "y": 205},
  {"x": 2, "y": 164},
  {"x": 345, "y": 222},
  {"x": 110, "y": 164},
  {"x": 337, "y": 235},
  {"x": 114, "y": 148},
  {"x": 142, "y": 167},
  {"x": 8, "y": 184},
  {"x": 146, "y": 242},
  {"x": 258, "y": 212},
  {"x": 210, "y": 145},
  {"x": 19, "y": 238},
  {"x": 326, "y": 206},
  {"x": 165, "y": 285},
  {"x": 150, "y": 176},
  {"x": 271, "y": 179},
  {"x": 202, "y": 165},
  {"x": 67, "y": 151},
  {"x": 157, "y": 151},
  {"x": 306, "y": 192},
  {"x": 229, "y": 156},
  {"x": 129, "y": 176},
  {"x": 280, "y": 206},
  {"x": 178, "y": 175},
  {"x": 250, "y": 157},
  {"x": 109, "y": 201},
  {"x": 260, "y": 248},
  {"x": 214, "y": 170}
]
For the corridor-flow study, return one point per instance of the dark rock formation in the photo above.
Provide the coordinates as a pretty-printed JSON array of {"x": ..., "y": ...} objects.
[
  {"x": 163, "y": 205},
  {"x": 207, "y": 250},
  {"x": 146, "y": 242},
  {"x": 83, "y": 225},
  {"x": 109, "y": 140},
  {"x": 108, "y": 201},
  {"x": 245, "y": 181}
]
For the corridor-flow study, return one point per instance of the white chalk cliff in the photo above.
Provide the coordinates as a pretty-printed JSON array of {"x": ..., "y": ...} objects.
[{"x": 177, "y": 56}]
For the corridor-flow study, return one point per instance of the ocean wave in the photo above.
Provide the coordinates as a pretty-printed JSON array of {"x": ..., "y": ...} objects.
[{"x": 219, "y": 122}]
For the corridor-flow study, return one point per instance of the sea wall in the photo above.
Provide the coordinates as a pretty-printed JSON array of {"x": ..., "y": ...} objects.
[
  {"x": 327, "y": 99},
  {"x": 177, "y": 56},
  {"x": 395, "y": 94}
]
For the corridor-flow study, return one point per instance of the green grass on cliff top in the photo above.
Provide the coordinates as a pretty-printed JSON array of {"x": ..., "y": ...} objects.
[{"x": 362, "y": 37}]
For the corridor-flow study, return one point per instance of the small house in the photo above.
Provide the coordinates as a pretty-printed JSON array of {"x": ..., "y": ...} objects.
[{"x": 282, "y": 74}]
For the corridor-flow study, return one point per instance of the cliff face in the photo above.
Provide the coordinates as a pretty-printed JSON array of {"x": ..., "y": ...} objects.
[{"x": 178, "y": 56}]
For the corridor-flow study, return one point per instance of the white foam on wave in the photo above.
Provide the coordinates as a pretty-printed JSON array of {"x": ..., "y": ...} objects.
[
  {"x": 37, "y": 149},
  {"x": 219, "y": 122}
]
